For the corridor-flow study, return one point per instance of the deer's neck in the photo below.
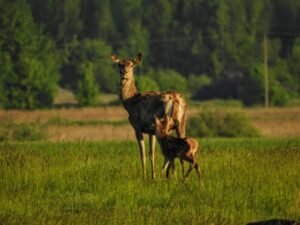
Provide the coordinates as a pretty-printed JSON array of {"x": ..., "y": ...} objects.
[{"x": 127, "y": 87}]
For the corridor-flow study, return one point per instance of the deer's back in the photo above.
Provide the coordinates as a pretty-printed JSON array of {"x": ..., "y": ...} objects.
[{"x": 173, "y": 147}]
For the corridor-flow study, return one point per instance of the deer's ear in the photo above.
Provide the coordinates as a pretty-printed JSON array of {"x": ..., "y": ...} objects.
[
  {"x": 157, "y": 121},
  {"x": 168, "y": 119},
  {"x": 115, "y": 59},
  {"x": 137, "y": 59}
]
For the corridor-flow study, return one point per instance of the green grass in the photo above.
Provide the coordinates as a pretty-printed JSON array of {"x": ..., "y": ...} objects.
[{"x": 243, "y": 180}]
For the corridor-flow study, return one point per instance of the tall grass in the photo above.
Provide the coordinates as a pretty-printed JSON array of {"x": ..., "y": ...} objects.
[{"x": 242, "y": 180}]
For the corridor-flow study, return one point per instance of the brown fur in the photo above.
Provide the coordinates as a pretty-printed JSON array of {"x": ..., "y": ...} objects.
[
  {"x": 142, "y": 106},
  {"x": 186, "y": 149}
]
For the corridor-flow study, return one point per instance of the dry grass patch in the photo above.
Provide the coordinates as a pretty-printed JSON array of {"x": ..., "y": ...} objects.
[
  {"x": 90, "y": 133},
  {"x": 273, "y": 122},
  {"x": 276, "y": 122},
  {"x": 99, "y": 113}
]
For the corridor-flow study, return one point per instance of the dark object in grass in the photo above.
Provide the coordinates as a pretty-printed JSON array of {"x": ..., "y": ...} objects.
[{"x": 275, "y": 222}]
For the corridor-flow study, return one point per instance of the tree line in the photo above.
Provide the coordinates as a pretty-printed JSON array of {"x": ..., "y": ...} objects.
[{"x": 205, "y": 49}]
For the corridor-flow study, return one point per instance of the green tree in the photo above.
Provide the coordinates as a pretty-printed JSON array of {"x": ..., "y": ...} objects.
[
  {"x": 87, "y": 90},
  {"x": 98, "y": 19},
  {"x": 285, "y": 24},
  {"x": 61, "y": 18},
  {"x": 158, "y": 18},
  {"x": 169, "y": 80},
  {"x": 29, "y": 62},
  {"x": 294, "y": 68},
  {"x": 132, "y": 37},
  {"x": 94, "y": 51},
  {"x": 222, "y": 39},
  {"x": 145, "y": 83},
  {"x": 195, "y": 83}
]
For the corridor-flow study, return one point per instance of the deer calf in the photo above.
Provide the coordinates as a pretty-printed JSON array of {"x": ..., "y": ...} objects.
[{"x": 186, "y": 149}]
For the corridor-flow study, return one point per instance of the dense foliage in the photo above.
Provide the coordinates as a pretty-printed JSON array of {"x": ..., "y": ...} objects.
[
  {"x": 211, "y": 123},
  {"x": 212, "y": 48},
  {"x": 28, "y": 59}
]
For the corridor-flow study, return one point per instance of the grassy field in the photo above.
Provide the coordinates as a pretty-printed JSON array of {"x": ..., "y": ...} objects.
[
  {"x": 242, "y": 180},
  {"x": 85, "y": 169}
]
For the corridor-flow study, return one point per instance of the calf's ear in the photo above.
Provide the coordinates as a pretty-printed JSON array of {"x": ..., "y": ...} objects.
[
  {"x": 137, "y": 60},
  {"x": 115, "y": 59},
  {"x": 157, "y": 121}
]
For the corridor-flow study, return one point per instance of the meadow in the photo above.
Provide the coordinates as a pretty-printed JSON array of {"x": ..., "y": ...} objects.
[
  {"x": 243, "y": 180},
  {"x": 82, "y": 166}
]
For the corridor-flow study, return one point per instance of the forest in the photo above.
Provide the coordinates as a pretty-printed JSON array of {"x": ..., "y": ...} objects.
[{"x": 204, "y": 49}]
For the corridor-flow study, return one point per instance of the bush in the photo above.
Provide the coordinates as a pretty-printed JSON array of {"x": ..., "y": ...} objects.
[
  {"x": 197, "y": 82},
  {"x": 146, "y": 84},
  {"x": 219, "y": 124},
  {"x": 278, "y": 96},
  {"x": 169, "y": 80},
  {"x": 22, "y": 132},
  {"x": 218, "y": 103},
  {"x": 87, "y": 89},
  {"x": 225, "y": 86}
]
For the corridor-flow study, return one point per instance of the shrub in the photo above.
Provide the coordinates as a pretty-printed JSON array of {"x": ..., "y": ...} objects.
[
  {"x": 146, "y": 84},
  {"x": 169, "y": 80},
  {"x": 22, "y": 132},
  {"x": 278, "y": 96},
  {"x": 87, "y": 89},
  {"x": 219, "y": 124},
  {"x": 197, "y": 82}
]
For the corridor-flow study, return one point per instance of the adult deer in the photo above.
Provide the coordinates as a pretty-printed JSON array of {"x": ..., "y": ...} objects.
[{"x": 142, "y": 106}]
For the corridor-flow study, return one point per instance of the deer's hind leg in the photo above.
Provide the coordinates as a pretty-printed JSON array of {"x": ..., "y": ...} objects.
[
  {"x": 152, "y": 154},
  {"x": 191, "y": 161},
  {"x": 196, "y": 165},
  {"x": 197, "y": 169}
]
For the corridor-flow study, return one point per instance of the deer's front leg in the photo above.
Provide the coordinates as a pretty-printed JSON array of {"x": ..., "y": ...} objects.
[
  {"x": 181, "y": 126},
  {"x": 152, "y": 154},
  {"x": 172, "y": 165},
  {"x": 182, "y": 167},
  {"x": 140, "y": 139},
  {"x": 165, "y": 167}
]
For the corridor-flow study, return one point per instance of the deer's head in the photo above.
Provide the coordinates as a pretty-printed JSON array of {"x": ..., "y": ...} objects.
[
  {"x": 126, "y": 65},
  {"x": 163, "y": 126}
]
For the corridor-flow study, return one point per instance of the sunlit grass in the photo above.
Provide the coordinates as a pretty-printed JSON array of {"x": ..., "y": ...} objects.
[{"x": 100, "y": 183}]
